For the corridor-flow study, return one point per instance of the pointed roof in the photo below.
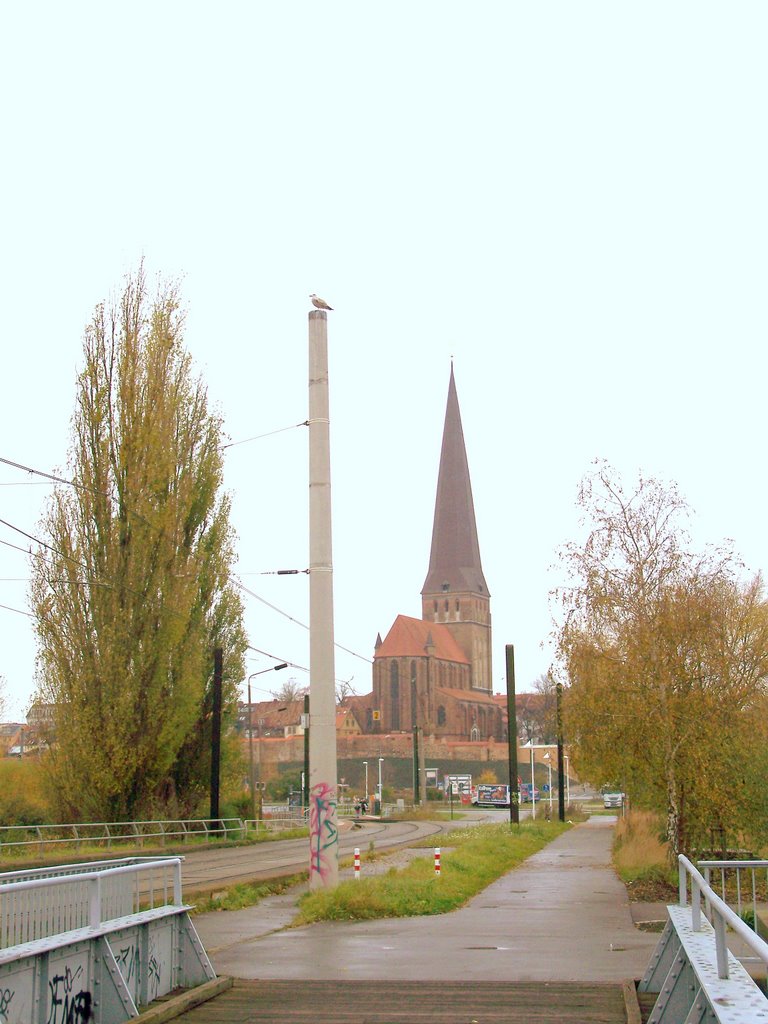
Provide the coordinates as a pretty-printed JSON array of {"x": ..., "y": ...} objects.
[
  {"x": 455, "y": 556},
  {"x": 409, "y": 638}
]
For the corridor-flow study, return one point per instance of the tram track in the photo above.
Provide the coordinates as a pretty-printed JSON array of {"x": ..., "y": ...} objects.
[{"x": 209, "y": 870}]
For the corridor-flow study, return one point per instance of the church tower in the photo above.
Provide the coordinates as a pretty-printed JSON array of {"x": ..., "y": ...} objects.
[{"x": 455, "y": 592}]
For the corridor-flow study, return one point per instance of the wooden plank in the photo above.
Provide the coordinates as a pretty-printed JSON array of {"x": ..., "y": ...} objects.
[
  {"x": 366, "y": 1002},
  {"x": 167, "y": 1009}
]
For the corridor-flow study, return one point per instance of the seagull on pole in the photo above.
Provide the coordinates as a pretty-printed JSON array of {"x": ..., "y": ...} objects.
[{"x": 319, "y": 303}]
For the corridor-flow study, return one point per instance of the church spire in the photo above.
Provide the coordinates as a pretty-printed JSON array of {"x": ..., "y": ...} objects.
[{"x": 454, "y": 561}]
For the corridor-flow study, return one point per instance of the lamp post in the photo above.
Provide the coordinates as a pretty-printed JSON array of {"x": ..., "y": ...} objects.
[
  {"x": 567, "y": 783},
  {"x": 533, "y": 787},
  {"x": 274, "y": 668},
  {"x": 548, "y": 759},
  {"x": 381, "y": 761},
  {"x": 365, "y": 764}
]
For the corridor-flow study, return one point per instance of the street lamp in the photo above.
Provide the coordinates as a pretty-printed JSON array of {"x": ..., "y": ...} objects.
[
  {"x": 533, "y": 787},
  {"x": 548, "y": 758},
  {"x": 365, "y": 763},
  {"x": 567, "y": 783},
  {"x": 381, "y": 761},
  {"x": 274, "y": 668}
]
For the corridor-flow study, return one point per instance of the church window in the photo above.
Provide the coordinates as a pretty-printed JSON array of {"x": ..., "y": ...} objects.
[
  {"x": 394, "y": 693},
  {"x": 435, "y": 604},
  {"x": 446, "y": 606},
  {"x": 440, "y": 715}
]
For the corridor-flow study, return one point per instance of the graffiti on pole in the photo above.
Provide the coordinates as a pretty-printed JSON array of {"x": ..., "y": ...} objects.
[{"x": 323, "y": 832}]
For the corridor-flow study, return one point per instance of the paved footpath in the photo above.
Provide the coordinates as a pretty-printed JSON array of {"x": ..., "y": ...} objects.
[{"x": 563, "y": 915}]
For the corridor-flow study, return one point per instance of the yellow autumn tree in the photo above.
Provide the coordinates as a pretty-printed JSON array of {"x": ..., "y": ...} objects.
[
  {"x": 666, "y": 658},
  {"x": 131, "y": 592}
]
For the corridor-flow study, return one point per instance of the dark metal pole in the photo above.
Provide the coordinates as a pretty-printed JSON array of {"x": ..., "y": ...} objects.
[
  {"x": 514, "y": 809},
  {"x": 305, "y": 787},
  {"x": 560, "y": 777},
  {"x": 251, "y": 775},
  {"x": 218, "y": 659},
  {"x": 416, "y": 793}
]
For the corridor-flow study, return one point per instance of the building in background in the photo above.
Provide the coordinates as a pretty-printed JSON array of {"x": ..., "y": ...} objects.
[{"x": 435, "y": 672}]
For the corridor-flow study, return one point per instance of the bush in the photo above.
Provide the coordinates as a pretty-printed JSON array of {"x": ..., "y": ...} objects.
[{"x": 21, "y": 793}]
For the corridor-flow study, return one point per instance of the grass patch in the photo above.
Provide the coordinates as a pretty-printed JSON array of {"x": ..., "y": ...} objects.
[
  {"x": 478, "y": 856},
  {"x": 247, "y": 894}
]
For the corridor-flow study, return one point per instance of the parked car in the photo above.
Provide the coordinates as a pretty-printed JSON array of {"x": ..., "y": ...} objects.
[{"x": 613, "y": 799}]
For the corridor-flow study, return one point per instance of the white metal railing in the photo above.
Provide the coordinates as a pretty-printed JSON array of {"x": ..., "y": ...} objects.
[
  {"x": 57, "y": 900},
  {"x": 274, "y": 824},
  {"x": 106, "y": 833},
  {"x": 747, "y": 877},
  {"x": 17, "y": 838},
  {"x": 720, "y": 915}
]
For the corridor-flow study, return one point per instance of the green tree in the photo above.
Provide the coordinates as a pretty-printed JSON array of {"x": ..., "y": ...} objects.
[
  {"x": 132, "y": 592},
  {"x": 666, "y": 653}
]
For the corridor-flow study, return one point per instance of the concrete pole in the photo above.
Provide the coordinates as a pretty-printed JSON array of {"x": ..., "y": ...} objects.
[{"x": 323, "y": 823}]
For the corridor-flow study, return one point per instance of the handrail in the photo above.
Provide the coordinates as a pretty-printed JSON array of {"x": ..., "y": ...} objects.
[
  {"x": 721, "y": 916},
  {"x": 89, "y": 901}
]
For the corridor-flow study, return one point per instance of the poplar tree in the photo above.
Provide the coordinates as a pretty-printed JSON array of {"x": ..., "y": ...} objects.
[
  {"x": 666, "y": 652},
  {"x": 131, "y": 592}
]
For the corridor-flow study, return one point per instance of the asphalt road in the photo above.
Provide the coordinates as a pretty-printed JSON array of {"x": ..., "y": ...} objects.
[{"x": 210, "y": 869}]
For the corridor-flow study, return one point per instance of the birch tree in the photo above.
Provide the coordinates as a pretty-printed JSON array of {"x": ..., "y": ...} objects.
[
  {"x": 666, "y": 652},
  {"x": 131, "y": 592}
]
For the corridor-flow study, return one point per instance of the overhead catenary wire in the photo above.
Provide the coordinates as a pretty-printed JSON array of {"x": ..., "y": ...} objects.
[
  {"x": 303, "y": 625},
  {"x": 7, "y": 608},
  {"x": 62, "y": 480},
  {"x": 269, "y": 433}
]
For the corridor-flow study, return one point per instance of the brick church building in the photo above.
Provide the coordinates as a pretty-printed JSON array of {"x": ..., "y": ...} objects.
[{"x": 435, "y": 672}]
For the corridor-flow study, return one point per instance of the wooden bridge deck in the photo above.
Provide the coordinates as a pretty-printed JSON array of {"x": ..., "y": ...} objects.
[{"x": 456, "y": 1002}]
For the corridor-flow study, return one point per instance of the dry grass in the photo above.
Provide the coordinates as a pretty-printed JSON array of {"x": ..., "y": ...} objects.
[{"x": 641, "y": 857}]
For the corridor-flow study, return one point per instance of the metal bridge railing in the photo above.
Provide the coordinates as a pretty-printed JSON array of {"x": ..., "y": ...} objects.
[
  {"x": 722, "y": 917},
  {"x": 697, "y": 968},
  {"x": 55, "y": 900},
  {"x": 94, "y": 943},
  {"x": 742, "y": 882}
]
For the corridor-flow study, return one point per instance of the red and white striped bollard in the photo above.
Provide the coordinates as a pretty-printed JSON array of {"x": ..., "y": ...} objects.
[
  {"x": 437, "y": 860},
  {"x": 357, "y": 863}
]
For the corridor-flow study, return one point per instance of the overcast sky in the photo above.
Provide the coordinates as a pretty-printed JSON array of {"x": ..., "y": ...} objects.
[{"x": 567, "y": 198}]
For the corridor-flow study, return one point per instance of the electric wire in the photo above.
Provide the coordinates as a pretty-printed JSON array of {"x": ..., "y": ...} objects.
[
  {"x": 258, "y": 437},
  {"x": 61, "y": 480},
  {"x": 18, "y": 611}
]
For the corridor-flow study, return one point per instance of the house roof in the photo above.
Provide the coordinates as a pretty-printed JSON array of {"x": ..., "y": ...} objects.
[
  {"x": 409, "y": 638},
  {"x": 275, "y": 714},
  {"x": 468, "y": 696},
  {"x": 454, "y": 559}
]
